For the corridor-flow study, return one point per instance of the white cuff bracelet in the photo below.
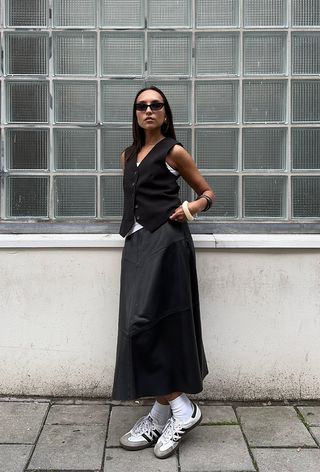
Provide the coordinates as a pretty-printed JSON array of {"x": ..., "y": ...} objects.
[{"x": 187, "y": 211}]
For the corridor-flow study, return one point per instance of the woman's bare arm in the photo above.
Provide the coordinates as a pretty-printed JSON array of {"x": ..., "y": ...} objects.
[
  {"x": 122, "y": 160},
  {"x": 180, "y": 160}
]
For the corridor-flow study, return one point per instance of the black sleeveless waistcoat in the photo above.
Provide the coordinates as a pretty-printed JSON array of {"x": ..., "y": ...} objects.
[{"x": 150, "y": 190}]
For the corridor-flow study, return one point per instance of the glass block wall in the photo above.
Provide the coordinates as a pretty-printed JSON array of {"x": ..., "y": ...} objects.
[{"x": 242, "y": 77}]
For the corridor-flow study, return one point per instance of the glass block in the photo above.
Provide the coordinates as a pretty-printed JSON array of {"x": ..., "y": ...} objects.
[
  {"x": 169, "y": 54},
  {"x": 305, "y": 145},
  {"x": 75, "y": 196},
  {"x": 111, "y": 196},
  {"x": 217, "y": 54},
  {"x": 74, "y": 53},
  {"x": 264, "y": 148},
  {"x": 184, "y": 136},
  {"x": 306, "y": 53},
  {"x": 179, "y": 97},
  {"x": 27, "y": 101},
  {"x": 217, "y": 13},
  {"x": 75, "y": 102},
  {"x": 127, "y": 46},
  {"x": 169, "y": 14},
  {"x": 305, "y": 100},
  {"x": 216, "y": 101},
  {"x": 264, "y": 101},
  {"x": 265, "y": 12},
  {"x": 27, "y": 12},
  {"x": 117, "y": 100},
  {"x": 74, "y": 13},
  {"x": 26, "y": 53},
  {"x": 305, "y": 13},
  {"x": 113, "y": 143},
  {"x": 306, "y": 197},
  {"x": 226, "y": 190},
  {"x": 217, "y": 148},
  {"x": 264, "y": 197},
  {"x": 122, "y": 13},
  {"x": 27, "y": 148},
  {"x": 265, "y": 53},
  {"x": 27, "y": 196},
  {"x": 75, "y": 148}
]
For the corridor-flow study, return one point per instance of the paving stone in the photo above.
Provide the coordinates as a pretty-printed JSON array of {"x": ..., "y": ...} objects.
[
  {"x": 64, "y": 447},
  {"x": 217, "y": 414},
  {"x": 122, "y": 418},
  {"x": 20, "y": 422},
  {"x": 215, "y": 449},
  {"x": 119, "y": 460},
  {"x": 14, "y": 457},
  {"x": 287, "y": 460},
  {"x": 78, "y": 414},
  {"x": 274, "y": 426},
  {"x": 316, "y": 432},
  {"x": 311, "y": 414}
]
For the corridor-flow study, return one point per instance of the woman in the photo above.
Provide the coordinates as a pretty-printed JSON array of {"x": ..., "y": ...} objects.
[{"x": 160, "y": 351}]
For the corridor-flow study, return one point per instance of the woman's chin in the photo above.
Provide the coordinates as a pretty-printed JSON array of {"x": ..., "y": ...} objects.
[{"x": 150, "y": 125}]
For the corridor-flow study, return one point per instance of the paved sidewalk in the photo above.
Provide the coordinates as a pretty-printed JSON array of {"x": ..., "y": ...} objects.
[{"x": 82, "y": 435}]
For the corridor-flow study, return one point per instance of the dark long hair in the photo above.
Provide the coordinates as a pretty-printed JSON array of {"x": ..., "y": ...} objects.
[{"x": 138, "y": 133}]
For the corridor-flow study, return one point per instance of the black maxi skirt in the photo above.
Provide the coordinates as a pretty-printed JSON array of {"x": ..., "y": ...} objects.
[{"x": 160, "y": 348}]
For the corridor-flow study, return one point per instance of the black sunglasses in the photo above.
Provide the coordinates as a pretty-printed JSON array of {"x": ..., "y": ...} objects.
[{"x": 155, "y": 106}]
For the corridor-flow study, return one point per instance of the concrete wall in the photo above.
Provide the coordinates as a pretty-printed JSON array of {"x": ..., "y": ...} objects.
[{"x": 260, "y": 312}]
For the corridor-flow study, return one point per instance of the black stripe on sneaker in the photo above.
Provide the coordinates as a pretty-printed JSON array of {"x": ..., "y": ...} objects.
[
  {"x": 157, "y": 433},
  {"x": 194, "y": 410},
  {"x": 146, "y": 438}
]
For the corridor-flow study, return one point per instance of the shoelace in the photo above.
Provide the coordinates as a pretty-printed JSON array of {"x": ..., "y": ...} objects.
[
  {"x": 144, "y": 425},
  {"x": 171, "y": 430}
]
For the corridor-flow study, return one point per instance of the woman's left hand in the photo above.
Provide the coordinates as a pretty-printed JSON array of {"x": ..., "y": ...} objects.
[{"x": 179, "y": 215}]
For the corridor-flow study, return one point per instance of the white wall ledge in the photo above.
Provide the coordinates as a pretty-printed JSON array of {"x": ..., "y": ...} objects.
[
  {"x": 209, "y": 241},
  {"x": 307, "y": 241}
]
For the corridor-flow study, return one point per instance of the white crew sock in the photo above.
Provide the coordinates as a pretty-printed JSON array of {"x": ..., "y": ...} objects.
[
  {"x": 182, "y": 408},
  {"x": 160, "y": 413}
]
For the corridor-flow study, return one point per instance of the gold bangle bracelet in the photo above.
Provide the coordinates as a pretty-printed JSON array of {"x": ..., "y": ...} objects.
[{"x": 186, "y": 210}]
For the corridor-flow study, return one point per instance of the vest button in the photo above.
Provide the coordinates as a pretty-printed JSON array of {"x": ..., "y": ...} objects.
[
  {"x": 136, "y": 206},
  {"x": 133, "y": 184},
  {"x": 137, "y": 217}
]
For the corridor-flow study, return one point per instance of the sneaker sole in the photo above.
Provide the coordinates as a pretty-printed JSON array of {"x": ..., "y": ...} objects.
[
  {"x": 170, "y": 453},
  {"x": 137, "y": 448}
]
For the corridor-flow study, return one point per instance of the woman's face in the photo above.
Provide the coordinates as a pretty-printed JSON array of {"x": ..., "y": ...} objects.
[{"x": 150, "y": 119}]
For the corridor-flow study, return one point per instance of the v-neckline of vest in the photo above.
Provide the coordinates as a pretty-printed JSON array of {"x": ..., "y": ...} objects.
[{"x": 138, "y": 163}]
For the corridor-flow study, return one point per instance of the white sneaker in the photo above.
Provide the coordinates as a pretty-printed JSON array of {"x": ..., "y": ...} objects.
[
  {"x": 144, "y": 434},
  {"x": 174, "y": 432}
]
